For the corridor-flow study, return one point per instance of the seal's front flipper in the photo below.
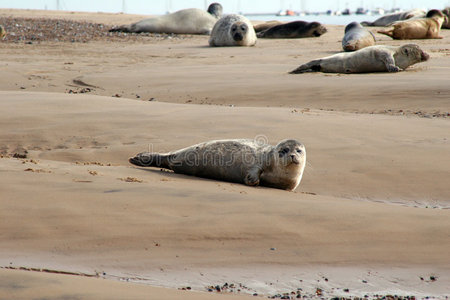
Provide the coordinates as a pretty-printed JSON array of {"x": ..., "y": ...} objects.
[
  {"x": 252, "y": 177},
  {"x": 389, "y": 62}
]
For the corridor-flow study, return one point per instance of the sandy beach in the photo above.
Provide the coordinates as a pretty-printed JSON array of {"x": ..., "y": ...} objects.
[{"x": 371, "y": 216}]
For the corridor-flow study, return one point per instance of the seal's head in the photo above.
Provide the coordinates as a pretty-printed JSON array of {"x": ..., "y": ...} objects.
[
  {"x": 438, "y": 15},
  {"x": 434, "y": 13},
  {"x": 215, "y": 9},
  {"x": 286, "y": 168},
  {"x": 291, "y": 153},
  {"x": 238, "y": 31},
  {"x": 408, "y": 55},
  {"x": 446, "y": 12},
  {"x": 318, "y": 29}
]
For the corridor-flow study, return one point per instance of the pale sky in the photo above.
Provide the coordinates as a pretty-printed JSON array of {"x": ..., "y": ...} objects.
[{"x": 230, "y": 6}]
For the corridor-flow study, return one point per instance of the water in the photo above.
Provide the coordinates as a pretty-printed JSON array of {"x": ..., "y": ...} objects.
[{"x": 324, "y": 19}]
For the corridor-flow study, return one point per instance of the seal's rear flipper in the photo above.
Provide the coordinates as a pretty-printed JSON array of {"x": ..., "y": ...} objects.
[
  {"x": 312, "y": 66},
  {"x": 389, "y": 32}
]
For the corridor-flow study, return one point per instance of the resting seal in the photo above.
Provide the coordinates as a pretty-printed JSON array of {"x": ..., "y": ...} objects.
[
  {"x": 370, "y": 59},
  {"x": 242, "y": 161},
  {"x": 357, "y": 37},
  {"x": 185, "y": 21},
  {"x": 390, "y": 18},
  {"x": 233, "y": 30},
  {"x": 421, "y": 28},
  {"x": 293, "y": 30}
]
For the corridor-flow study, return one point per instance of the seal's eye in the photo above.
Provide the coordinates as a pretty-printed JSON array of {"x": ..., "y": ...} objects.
[
  {"x": 233, "y": 28},
  {"x": 243, "y": 28},
  {"x": 283, "y": 151},
  {"x": 299, "y": 150}
]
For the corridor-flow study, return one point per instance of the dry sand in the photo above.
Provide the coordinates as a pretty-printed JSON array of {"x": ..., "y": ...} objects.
[{"x": 371, "y": 215}]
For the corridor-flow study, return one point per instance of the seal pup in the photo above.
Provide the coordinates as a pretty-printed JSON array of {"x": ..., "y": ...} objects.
[
  {"x": 390, "y": 18},
  {"x": 232, "y": 30},
  {"x": 293, "y": 30},
  {"x": 357, "y": 37},
  {"x": 185, "y": 21},
  {"x": 378, "y": 58},
  {"x": 242, "y": 160},
  {"x": 421, "y": 28},
  {"x": 2, "y": 32}
]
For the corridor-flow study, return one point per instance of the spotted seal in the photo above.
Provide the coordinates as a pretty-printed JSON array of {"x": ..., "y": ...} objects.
[
  {"x": 241, "y": 160},
  {"x": 370, "y": 59}
]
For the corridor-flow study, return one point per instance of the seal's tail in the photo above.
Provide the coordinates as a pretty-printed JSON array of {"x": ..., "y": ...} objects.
[
  {"x": 147, "y": 159},
  {"x": 312, "y": 66}
]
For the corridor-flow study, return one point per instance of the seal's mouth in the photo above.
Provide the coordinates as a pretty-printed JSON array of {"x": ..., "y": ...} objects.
[
  {"x": 350, "y": 47},
  {"x": 316, "y": 33},
  {"x": 425, "y": 56},
  {"x": 238, "y": 37},
  {"x": 295, "y": 160}
]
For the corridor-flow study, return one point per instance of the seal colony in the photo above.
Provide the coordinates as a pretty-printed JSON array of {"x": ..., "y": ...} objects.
[
  {"x": 421, "y": 28},
  {"x": 233, "y": 30},
  {"x": 390, "y": 18},
  {"x": 187, "y": 21},
  {"x": 371, "y": 59},
  {"x": 242, "y": 161}
]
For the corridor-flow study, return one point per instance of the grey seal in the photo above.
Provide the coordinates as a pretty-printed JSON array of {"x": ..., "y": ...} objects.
[
  {"x": 244, "y": 161},
  {"x": 370, "y": 59},
  {"x": 428, "y": 27},
  {"x": 293, "y": 30},
  {"x": 390, "y": 18},
  {"x": 232, "y": 30},
  {"x": 357, "y": 37},
  {"x": 185, "y": 21}
]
